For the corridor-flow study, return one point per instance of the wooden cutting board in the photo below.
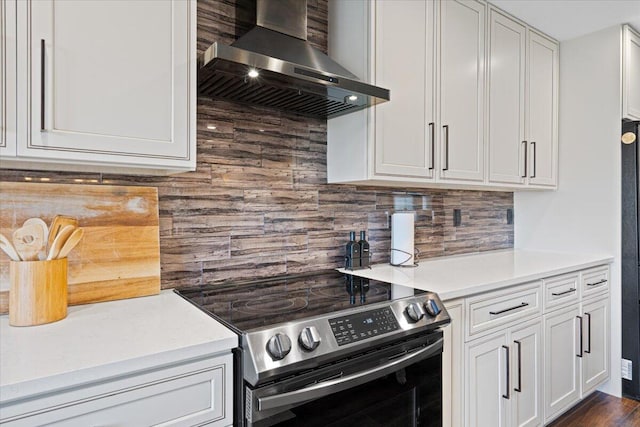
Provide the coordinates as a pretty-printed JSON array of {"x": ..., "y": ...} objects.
[{"x": 119, "y": 256}]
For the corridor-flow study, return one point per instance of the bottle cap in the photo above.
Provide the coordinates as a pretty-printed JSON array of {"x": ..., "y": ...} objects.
[
  {"x": 362, "y": 235},
  {"x": 352, "y": 235}
]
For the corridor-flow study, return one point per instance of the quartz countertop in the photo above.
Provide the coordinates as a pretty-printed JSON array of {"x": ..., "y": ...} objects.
[
  {"x": 465, "y": 275},
  {"x": 104, "y": 340}
]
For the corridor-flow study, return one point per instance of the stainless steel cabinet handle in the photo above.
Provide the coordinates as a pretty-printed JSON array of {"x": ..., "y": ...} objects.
[
  {"x": 597, "y": 283},
  {"x": 519, "y": 388},
  {"x": 432, "y": 127},
  {"x": 533, "y": 145},
  {"x": 42, "y": 85},
  {"x": 568, "y": 291},
  {"x": 524, "y": 304},
  {"x": 524, "y": 175},
  {"x": 588, "y": 349},
  {"x": 446, "y": 149},
  {"x": 508, "y": 395},
  {"x": 325, "y": 388},
  {"x": 580, "y": 324}
]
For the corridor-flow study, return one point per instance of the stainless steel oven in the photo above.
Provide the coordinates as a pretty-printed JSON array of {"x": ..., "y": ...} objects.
[{"x": 331, "y": 350}]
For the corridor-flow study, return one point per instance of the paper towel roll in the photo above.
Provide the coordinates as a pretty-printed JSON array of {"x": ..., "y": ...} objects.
[{"x": 402, "y": 235}]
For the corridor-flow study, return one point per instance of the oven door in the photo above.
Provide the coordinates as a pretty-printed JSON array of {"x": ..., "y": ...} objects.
[{"x": 398, "y": 385}]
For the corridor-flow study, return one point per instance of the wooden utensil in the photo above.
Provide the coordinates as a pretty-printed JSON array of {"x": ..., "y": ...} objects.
[
  {"x": 7, "y": 248},
  {"x": 59, "y": 241},
  {"x": 45, "y": 232},
  {"x": 58, "y": 222},
  {"x": 71, "y": 242},
  {"x": 29, "y": 241}
]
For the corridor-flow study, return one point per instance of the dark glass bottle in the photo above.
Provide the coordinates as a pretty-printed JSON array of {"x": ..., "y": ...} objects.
[
  {"x": 353, "y": 252},
  {"x": 365, "y": 258}
]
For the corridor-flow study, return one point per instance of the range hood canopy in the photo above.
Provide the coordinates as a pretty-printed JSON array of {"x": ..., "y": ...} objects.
[{"x": 274, "y": 66}]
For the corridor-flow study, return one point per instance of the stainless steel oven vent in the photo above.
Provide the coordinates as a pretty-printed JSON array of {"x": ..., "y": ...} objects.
[{"x": 274, "y": 66}]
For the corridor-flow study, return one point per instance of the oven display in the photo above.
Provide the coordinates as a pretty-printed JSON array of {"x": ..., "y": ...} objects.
[{"x": 360, "y": 326}]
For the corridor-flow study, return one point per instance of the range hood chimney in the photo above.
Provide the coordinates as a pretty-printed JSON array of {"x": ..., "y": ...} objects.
[{"x": 274, "y": 66}]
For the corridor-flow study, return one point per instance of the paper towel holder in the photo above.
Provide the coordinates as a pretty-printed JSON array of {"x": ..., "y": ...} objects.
[{"x": 416, "y": 252}]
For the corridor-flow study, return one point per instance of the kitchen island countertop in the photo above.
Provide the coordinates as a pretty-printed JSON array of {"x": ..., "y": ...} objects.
[
  {"x": 105, "y": 340},
  {"x": 465, "y": 275}
]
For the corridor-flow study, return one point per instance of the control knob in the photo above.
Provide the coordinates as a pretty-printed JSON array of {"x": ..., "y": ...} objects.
[
  {"x": 414, "y": 311},
  {"x": 279, "y": 346},
  {"x": 432, "y": 307},
  {"x": 309, "y": 338}
]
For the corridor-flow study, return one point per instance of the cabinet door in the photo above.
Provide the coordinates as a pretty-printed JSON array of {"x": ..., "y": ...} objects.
[
  {"x": 453, "y": 367},
  {"x": 631, "y": 78},
  {"x": 542, "y": 112},
  {"x": 561, "y": 360},
  {"x": 526, "y": 374},
  {"x": 109, "y": 81},
  {"x": 487, "y": 382},
  {"x": 461, "y": 82},
  {"x": 404, "y": 42},
  {"x": 506, "y": 89},
  {"x": 8, "y": 77},
  {"x": 595, "y": 331}
]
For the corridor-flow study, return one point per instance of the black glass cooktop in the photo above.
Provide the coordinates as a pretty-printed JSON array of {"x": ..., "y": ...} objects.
[{"x": 246, "y": 306}]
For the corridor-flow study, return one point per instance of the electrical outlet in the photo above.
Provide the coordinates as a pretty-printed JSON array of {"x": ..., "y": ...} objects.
[
  {"x": 457, "y": 217},
  {"x": 627, "y": 369},
  {"x": 509, "y": 216}
]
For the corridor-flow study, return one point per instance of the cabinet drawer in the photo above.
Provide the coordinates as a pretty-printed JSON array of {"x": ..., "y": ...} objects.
[
  {"x": 561, "y": 290},
  {"x": 186, "y": 395},
  {"x": 503, "y": 307},
  {"x": 595, "y": 281}
]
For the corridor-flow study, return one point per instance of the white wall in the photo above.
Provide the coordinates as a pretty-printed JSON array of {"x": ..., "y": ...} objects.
[{"x": 584, "y": 214}]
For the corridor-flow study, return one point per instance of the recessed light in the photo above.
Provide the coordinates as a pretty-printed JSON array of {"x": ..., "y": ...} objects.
[
  {"x": 353, "y": 98},
  {"x": 253, "y": 73},
  {"x": 212, "y": 127}
]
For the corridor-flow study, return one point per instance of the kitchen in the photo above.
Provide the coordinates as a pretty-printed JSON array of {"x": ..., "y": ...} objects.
[{"x": 258, "y": 204}]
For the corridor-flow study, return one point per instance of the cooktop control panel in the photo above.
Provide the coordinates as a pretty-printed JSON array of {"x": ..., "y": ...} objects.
[{"x": 363, "y": 325}]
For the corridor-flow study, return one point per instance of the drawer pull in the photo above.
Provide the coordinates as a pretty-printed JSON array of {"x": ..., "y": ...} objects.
[
  {"x": 597, "y": 283},
  {"x": 524, "y": 304},
  {"x": 568, "y": 291},
  {"x": 508, "y": 395}
]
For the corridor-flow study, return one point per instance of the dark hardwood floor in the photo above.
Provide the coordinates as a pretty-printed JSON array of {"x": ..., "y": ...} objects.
[{"x": 601, "y": 410}]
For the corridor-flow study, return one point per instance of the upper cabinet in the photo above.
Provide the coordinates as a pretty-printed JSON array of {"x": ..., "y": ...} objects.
[
  {"x": 523, "y": 104},
  {"x": 7, "y": 76},
  {"x": 473, "y": 97},
  {"x": 630, "y": 75},
  {"x": 105, "y": 84}
]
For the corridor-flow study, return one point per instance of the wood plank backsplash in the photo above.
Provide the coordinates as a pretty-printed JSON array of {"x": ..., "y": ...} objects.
[{"x": 258, "y": 204}]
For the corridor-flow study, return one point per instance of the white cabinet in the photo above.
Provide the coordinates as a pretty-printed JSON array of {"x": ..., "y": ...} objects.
[
  {"x": 106, "y": 83},
  {"x": 630, "y": 74},
  {"x": 7, "y": 76},
  {"x": 505, "y": 377},
  {"x": 562, "y": 357},
  {"x": 595, "y": 358},
  {"x": 403, "y": 144},
  {"x": 542, "y": 110},
  {"x": 191, "y": 393},
  {"x": 461, "y": 60},
  {"x": 506, "y": 93},
  {"x": 523, "y": 104}
]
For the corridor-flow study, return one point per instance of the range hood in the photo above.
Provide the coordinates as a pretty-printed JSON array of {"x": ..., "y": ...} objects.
[{"x": 274, "y": 66}]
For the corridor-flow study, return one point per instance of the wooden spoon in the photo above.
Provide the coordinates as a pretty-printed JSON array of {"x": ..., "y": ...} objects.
[
  {"x": 59, "y": 221},
  {"x": 71, "y": 242},
  {"x": 59, "y": 241},
  {"x": 28, "y": 241},
  {"x": 45, "y": 232},
  {"x": 8, "y": 248}
]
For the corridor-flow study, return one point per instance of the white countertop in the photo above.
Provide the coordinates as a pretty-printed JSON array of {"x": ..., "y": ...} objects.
[
  {"x": 464, "y": 275},
  {"x": 103, "y": 340}
]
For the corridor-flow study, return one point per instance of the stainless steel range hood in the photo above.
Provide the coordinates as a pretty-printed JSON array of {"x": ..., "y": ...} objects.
[{"x": 274, "y": 66}]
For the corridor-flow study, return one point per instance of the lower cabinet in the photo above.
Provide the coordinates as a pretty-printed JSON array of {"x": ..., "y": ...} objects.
[
  {"x": 526, "y": 353},
  {"x": 191, "y": 393},
  {"x": 504, "y": 387}
]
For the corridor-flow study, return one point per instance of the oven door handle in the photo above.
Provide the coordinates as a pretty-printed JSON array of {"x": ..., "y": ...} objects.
[{"x": 339, "y": 384}]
